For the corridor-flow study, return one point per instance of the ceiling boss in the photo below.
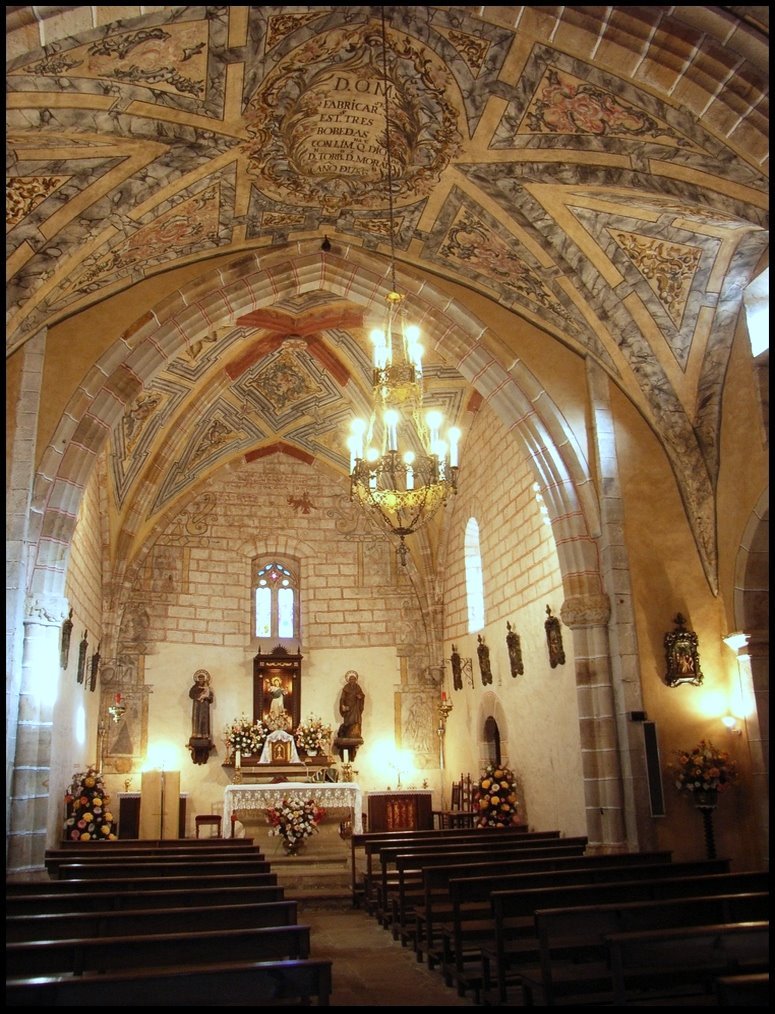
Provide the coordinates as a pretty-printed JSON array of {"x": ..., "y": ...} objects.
[{"x": 317, "y": 122}]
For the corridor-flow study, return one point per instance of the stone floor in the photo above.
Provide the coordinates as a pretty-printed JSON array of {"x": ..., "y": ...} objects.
[{"x": 370, "y": 968}]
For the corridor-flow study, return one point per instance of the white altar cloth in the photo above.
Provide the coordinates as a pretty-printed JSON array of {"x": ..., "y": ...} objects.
[{"x": 262, "y": 797}]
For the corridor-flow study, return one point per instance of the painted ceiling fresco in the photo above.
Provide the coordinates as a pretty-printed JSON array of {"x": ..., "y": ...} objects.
[{"x": 600, "y": 172}]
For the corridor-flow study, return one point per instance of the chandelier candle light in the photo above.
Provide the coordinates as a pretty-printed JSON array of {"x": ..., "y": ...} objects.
[{"x": 401, "y": 470}]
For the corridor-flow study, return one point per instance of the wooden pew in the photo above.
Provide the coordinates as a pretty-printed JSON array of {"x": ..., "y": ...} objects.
[
  {"x": 54, "y": 858},
  {"x": 101, "y": 901},
  {"x": 673, "y": 963},
  {"x": 437, "y": 907},
  {"x": 120, "y": 884},
  {"x": 511, "y": 962},
  {"x": 751, "y": 990},
  {"x": 370, "y": 841},
  {"x": 158, "y": 868},
  {"x": 286, "y": 983},
  {"x": 78, "y": 955},
  {"x": 127, "y": 922},
  {"x": 566, "y": 934},
  {"x": 412, "y": 860},
  {"x": 470, "y": 927},
  {"x": 409, "y": 891},
  {"x": 158, "y": 843}
]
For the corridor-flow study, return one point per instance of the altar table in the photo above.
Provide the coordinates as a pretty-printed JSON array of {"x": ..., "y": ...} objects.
[{"x": 262, "y": 797}]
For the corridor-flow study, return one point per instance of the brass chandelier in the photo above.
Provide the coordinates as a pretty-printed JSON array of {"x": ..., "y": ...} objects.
[{"x": 401, "y": 470}]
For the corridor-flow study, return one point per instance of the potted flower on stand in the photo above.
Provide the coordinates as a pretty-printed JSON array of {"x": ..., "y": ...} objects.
[
  {"x": 294, "y": 820},
  {"x": 313, "y": 736},
  {"x": 702, "y": 773}
]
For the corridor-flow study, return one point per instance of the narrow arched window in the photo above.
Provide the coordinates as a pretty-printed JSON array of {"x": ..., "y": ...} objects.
[
  {"x": 276, "y": 600},
  {"x": 474, "y": 582},
  {"x": 492, "y": 739}
]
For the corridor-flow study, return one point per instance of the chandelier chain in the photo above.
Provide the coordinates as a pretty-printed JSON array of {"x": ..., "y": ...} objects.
[{"x": 388, "y": 153}]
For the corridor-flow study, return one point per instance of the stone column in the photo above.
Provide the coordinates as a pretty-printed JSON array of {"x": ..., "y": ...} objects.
[
  {"x": 587, "y": 616},
  {"x": 623, "y": 659},
  {"x": 33, "y": 815},
  {"x": 19, "y": 483}
]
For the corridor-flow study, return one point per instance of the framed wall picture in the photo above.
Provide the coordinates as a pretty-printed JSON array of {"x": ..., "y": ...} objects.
[
  {"x": 277, "y": 688},
  {"x": 682, "y": 655}
]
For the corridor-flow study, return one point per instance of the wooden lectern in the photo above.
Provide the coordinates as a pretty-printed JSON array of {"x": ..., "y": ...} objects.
[{"x": 159, "y": 804}]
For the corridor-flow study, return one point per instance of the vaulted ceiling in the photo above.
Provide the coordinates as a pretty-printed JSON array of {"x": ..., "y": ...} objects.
[{"x": 600, "y": 172}]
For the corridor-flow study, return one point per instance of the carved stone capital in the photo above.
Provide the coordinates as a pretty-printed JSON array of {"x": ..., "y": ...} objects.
[
  {"x": 586, "y": 611},
  {"x": 47, "y": 610}
]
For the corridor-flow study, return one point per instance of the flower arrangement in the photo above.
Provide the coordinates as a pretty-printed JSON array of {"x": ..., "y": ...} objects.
[
  {"x": 294, "y": 820},
  {"x": 86, "y": 801},
  {"x": 704, "y": 769},
  {"x": 246, "y": 736},
  {"x": 313, "y": 736},
  {"x": 495, "y": 798}
]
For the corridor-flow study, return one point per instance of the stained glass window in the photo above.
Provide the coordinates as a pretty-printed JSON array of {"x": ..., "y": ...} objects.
[{"x": 276, "y": 603}]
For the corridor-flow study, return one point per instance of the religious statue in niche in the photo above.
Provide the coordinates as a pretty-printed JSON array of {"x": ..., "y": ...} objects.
[
  {"x": 83, "y": 647},
  {"x": 484, "y": 661},
  {"x": 554, "y": 640},
  {"x": 64, "y": 644},
  {"x": 682, "y": 655},
  {"x": 515, "y": 651},
  {"x": 457, "y": 670},
  {"x": 202, "y": 698},
  {"x": 351, "y": 702}
]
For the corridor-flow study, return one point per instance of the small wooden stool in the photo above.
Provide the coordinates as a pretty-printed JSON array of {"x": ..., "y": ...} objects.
[{"x": 208, "y": 819}]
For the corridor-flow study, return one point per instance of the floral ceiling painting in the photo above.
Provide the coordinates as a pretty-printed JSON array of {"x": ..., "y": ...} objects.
[{"x": 552, "y": 160}]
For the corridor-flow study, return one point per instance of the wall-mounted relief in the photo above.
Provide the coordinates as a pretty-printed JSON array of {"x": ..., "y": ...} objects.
[
  {"x": 64, "y": 643},
  {"x": 94, "y": 668},
  {"x": 682, "y": 655},
  {"x": 483, "y": 652},
  {"x": 83, "y": 647},
  {"x": 554, "y": 640},
  {"x": 514, "y": 648}
]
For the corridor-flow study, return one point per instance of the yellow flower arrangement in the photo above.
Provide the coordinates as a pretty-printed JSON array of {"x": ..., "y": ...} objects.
[
  {"x": 88, "y": 818},
  {"x": 703, "y": 769},
  {"x": 496, "y": 798}
]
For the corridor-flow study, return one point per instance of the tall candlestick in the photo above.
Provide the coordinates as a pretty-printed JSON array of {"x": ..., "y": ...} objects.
[{"x": 238, "y": 759}]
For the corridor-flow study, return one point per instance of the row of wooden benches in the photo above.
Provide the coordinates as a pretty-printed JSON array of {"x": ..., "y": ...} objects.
[
  {"x": 152, "y": 924},
  {"x": 475, "y": 916}
]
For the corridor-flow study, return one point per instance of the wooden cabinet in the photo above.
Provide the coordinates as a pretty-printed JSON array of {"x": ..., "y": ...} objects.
[{"x": 400, "y": 811}]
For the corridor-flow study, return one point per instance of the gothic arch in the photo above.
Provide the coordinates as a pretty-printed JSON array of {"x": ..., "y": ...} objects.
[{"x": 251, "y": 282}]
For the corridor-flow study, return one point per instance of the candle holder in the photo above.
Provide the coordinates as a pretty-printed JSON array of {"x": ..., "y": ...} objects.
[
  {"x": 445, "y": 707},
  {"x": 347, "y": 772}
]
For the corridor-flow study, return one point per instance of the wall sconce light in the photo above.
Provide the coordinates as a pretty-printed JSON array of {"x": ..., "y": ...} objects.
[
  {"x": 736, "y": 641},
  {"x": 731, "y": 723}
]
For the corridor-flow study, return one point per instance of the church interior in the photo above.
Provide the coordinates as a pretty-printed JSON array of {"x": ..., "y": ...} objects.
[{"x": 208, "y": 211}]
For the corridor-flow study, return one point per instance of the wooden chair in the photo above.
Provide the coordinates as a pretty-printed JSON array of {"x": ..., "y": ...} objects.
[
  {"x": 209, "y": 820},
  {"x": 460, "y": 812}
]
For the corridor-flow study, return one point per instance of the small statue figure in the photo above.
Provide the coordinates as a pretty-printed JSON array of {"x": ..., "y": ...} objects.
[
  {"x": 202, "y": 697},
  {"x": 351, "y": 702}
]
